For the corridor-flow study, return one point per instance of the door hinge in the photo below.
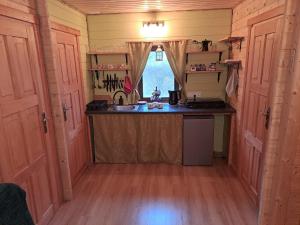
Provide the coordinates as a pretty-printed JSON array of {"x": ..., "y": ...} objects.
[{"x": 45, "y": 122}]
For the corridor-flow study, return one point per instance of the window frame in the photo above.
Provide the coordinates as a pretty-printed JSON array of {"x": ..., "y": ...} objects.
[{"x": 140, "y": 86}]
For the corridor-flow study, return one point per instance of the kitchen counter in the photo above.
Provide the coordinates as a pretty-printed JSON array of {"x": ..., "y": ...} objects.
[
  {"x": 180, "y": 109},
  {"x": 120, "y": 137}
]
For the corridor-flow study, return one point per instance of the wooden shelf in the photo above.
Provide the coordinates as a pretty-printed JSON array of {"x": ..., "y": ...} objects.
[
  {"x": 107, "y": 53},
  {"x": 232, "y": 39},
  {"x": 231, "y": 62},
  {"x": 207, "y": 71},
  {"x": 203, "y": 52},
  {"x": 203, "y": 72},
  {"x": 116, "y": 69}
]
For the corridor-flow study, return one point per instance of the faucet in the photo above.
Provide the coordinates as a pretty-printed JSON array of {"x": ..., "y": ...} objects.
[{"x": 120, "y": 91}]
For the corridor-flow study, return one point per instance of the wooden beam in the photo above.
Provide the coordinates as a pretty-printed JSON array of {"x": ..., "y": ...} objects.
[
  {"x": 267, "y": 15},
  {"x": 63, "y": 28}
]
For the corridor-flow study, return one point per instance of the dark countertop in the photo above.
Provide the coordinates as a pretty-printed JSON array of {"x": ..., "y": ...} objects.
[{"x": 180, "y": 109}]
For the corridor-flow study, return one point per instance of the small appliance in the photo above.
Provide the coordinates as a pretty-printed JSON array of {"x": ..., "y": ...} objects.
[{"x": 174, "y": 97}]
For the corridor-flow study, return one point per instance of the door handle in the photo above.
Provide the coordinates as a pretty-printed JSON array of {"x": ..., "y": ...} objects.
[
  {"x": 65, "y": 109},
  {"x": 267, "y": 115},
  {"x": 45, "y": 122}
]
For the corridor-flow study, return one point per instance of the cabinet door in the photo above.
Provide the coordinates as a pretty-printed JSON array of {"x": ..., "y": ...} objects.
[{"x": 22, "y": 139}]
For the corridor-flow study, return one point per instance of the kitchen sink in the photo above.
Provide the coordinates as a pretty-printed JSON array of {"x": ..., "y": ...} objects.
[{"x": 124, "y": 107}]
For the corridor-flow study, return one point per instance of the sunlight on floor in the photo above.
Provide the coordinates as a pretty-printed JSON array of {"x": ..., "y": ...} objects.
[{"x": 159, "y": 213}]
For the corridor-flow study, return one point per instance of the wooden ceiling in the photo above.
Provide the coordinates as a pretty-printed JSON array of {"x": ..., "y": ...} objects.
[{"x": 127, "y": 6}]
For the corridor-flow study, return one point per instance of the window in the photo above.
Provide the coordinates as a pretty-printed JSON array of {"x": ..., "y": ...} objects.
[{"x": 157, "y": 74}]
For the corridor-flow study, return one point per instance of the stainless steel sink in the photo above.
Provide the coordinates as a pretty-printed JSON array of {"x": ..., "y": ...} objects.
[{"x": 124, "y": 107}]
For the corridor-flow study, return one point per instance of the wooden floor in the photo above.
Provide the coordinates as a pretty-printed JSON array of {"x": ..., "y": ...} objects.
[{"x": 157, "y": 195}]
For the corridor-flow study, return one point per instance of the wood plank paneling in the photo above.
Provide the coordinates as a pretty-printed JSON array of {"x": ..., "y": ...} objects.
[
  {"x": 63, "y": 14},
  {"x": 123, "y": 6},
  {"x": 242, "y": 13},
  {"x": 113, "y": 30}
]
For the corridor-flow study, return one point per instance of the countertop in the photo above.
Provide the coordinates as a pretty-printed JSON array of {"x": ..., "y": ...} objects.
[{"x": 180, "y": 109}]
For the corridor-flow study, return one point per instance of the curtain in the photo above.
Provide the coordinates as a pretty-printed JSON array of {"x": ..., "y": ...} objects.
[
  {"x": 138, "y": 55},
  {"x": 176, "y": 54},
  {"x": 137, "y": 138}
]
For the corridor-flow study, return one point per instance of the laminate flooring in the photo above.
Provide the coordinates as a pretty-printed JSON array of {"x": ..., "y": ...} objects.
[{"x": 158, "y": 194}]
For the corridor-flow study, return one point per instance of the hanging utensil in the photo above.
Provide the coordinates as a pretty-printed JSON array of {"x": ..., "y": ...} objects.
[
  {"x": 115, "y": 82},
  {"x": 103, "y": 80},
  {"x": 97, "y": 78},
  {"x": 110, "y": 83},
  {"x": 107, "y": 82},
  {"x": 118, "y": 83},
  {"x": 93, "y": 80}
]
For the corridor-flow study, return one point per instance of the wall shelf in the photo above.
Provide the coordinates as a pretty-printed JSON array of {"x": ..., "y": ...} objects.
[
  {"x": 220, "y": 53},
  {"x": 203, "y": 53},
  {"x": 231, "y": 40},
  {"x": 107, "y": 53},
  {"x": 126, "y": 69},
  {"x": 188, "y": 72},
  {"x": 231, "y": 62}
]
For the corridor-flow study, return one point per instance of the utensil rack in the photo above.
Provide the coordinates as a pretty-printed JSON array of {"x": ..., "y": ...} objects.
[{"x": 112, "y": 82}]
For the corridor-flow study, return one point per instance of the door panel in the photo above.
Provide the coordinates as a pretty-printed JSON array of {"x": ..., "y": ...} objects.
[
  {"x": 77, "y": 109},
  {"x": 71, "y": 86},
  {"x": 14, "y": 136},
  {"x": 23, "y": 150},
  {"x": 270, "y": 38},
  {"x": 6, "y": 87},
  {"x": 32, "y": 131},
  {"x": 257, "y": 59},
  {"x": 262, "y": 51},
  {"x": 260, "y": 119}
]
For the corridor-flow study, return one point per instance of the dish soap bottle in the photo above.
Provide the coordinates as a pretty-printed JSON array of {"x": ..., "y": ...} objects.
[{"x": 121, "y": 100}]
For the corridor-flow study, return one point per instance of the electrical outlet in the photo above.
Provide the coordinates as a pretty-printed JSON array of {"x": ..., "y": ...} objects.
[{"x": 191, "y": 94}]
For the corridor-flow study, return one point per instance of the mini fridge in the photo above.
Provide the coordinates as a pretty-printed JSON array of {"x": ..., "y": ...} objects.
[{"x": 198, "y": 140}]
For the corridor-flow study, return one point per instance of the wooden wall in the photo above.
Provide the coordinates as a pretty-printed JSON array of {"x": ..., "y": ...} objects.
[
  {"x": 67, "y": 16},
  {"x": 281, "y": 185},
  {"x": 27, "y": 6},
  {"x": 241, "y": 14},
  {"x": 293, "y": 201},
  {"x": 280, "y": 189}
]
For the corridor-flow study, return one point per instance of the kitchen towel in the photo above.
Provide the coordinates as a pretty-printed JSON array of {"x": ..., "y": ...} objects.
[
  {"x": 232, "y": 83},
  {"x": 127, "y": 85}
]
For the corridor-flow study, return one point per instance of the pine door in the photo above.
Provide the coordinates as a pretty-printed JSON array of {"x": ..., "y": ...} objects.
[
  {"x": 22, "y": 136},
  {"x": 73, "y": 104},
  {"x": 263, "y": 47}
]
